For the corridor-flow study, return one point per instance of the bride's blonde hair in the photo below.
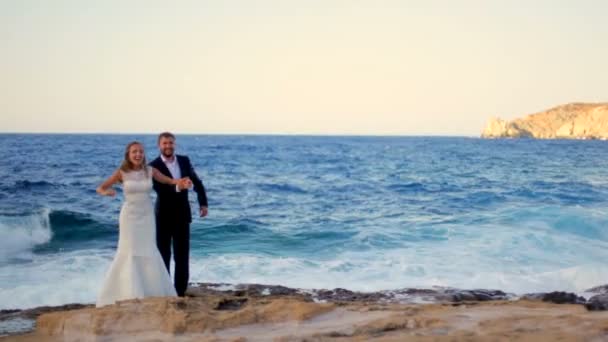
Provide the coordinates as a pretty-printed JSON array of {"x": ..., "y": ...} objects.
[{"x": 127, "y": 165}]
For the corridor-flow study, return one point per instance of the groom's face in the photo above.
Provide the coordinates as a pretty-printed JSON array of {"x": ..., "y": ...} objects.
[{"x": 166, "y": 146}]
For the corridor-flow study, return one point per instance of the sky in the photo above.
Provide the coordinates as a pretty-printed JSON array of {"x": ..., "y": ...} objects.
[{"x": 376, "y": 67}]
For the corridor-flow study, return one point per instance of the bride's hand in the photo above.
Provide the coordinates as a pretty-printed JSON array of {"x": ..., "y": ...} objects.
[
  {"x": 107, "y": 192},
  {"x": 184, "y": 183}
]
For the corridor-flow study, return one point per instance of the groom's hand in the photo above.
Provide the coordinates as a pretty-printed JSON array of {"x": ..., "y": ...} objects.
[
  {"x": 184, "y": 183},
  {"x": 204, "y": 211}
]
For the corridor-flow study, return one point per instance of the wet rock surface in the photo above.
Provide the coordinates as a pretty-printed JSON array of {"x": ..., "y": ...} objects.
[
  {"x": 598, "y": 303},
  {"x": 556, "y": 297},
  {"x": 407, "y": 295},
  {"x": 21, "y": 321}
]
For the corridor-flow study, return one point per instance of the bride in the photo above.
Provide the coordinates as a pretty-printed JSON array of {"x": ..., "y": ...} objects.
[{"x": 137, "y": 270}]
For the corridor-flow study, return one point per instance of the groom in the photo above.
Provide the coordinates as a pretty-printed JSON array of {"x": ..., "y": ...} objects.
[{"x": 173, "y": 214}]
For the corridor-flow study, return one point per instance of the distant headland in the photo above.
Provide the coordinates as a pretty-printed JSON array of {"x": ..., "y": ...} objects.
[{"x": 569, "y": 121}]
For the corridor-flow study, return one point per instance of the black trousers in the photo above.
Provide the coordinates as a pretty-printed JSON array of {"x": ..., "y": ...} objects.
[{"x": 178, "y": 235}]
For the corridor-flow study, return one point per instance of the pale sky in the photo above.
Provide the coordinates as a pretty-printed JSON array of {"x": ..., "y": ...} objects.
[{"x": 409, "y": 67}]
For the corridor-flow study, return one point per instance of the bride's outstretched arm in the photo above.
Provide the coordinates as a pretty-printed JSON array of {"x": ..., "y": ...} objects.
[
  {"x": 159, "y": 177},
  {"x": 105, "y": 189}
]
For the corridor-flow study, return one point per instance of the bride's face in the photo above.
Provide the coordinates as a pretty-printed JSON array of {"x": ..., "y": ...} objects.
[{"x": 136, "y": 155}]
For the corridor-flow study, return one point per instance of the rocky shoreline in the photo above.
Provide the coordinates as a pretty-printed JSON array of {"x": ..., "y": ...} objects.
[{"x": 244, "y": 312}]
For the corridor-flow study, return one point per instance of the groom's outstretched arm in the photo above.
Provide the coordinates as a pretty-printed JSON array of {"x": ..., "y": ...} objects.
[{"x": 199, "y": 188}]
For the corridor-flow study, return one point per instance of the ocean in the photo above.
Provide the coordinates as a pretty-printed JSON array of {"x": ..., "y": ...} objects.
[{"x": 361, "y": 213}]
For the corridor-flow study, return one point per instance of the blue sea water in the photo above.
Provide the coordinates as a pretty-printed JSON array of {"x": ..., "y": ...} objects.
[{"x": 362, "y": 213}]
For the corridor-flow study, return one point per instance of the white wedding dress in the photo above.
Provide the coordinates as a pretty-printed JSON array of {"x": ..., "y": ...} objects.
[{"x": 138, "y": 269}]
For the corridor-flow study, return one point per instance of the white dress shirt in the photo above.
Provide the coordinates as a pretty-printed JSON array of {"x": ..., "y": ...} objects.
[{"x": 173, "y": 167}]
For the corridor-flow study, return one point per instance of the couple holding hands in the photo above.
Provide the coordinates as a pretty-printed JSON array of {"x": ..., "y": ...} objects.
[{"x": 141, "y": 265}]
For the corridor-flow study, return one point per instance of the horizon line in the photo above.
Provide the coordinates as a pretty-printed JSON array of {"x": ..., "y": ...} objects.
[{"x": 251, "y": 134}]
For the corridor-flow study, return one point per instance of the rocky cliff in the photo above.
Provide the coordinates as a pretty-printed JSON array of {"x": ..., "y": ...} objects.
[{"x": 570, "y": 121}]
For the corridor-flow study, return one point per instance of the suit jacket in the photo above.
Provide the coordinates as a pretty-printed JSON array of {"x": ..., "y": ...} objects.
[{"x": 172, "y": 206}]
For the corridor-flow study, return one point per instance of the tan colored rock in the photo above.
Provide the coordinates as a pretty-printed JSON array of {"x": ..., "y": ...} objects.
[
  {"x": 173, "y": 316},
  {"x": 296, "y": 319},
  {"x": 496, "y": 128},
  {"x": 570, "y": 121}
]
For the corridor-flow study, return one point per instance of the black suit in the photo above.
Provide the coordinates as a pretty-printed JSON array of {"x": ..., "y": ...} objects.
[{"x": 173, "y": 217}]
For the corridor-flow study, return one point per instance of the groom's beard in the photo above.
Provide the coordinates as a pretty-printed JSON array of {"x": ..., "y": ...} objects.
[{"x": 168, "y": 152}]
